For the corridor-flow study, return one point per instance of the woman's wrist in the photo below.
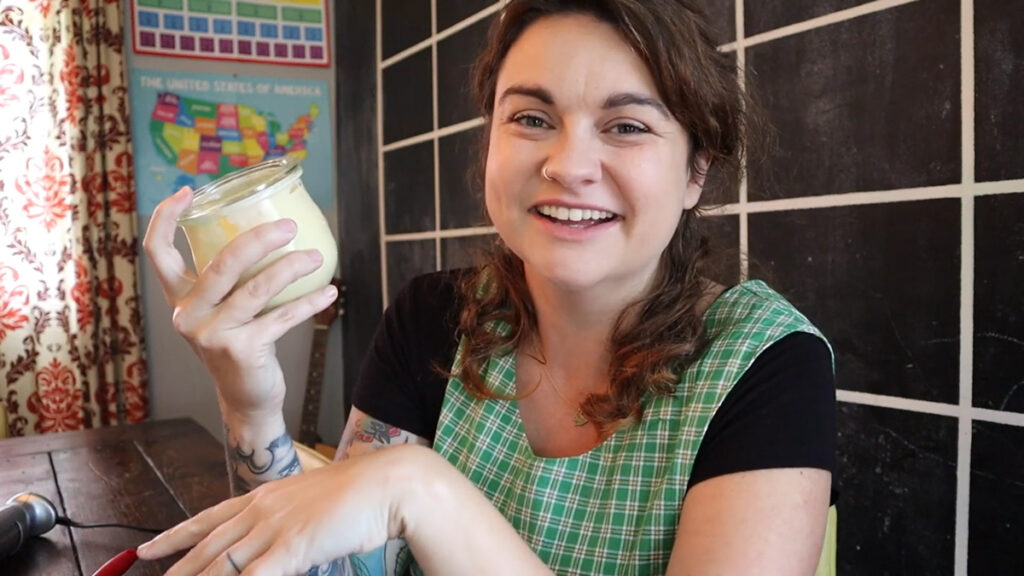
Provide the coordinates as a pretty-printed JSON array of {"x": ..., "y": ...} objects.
[
  {"x": 450, "y": 525},
  {"x": 259, "y": 450},
  {"x": 247, "y": 427},
  {"x": 418, "y": 481}
]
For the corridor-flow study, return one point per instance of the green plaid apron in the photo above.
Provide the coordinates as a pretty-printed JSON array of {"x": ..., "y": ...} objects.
[{"x": 615, "y": 509}]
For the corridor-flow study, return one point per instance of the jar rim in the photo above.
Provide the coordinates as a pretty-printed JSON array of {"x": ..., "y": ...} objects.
[{"x": 244, "y": 185}]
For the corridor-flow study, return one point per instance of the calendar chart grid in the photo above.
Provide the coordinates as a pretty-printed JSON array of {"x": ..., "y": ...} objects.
[{"x": 291, "y": 32}]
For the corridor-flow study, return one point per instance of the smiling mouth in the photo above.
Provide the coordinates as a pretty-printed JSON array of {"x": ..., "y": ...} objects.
[{"x": 574, "y": 217}]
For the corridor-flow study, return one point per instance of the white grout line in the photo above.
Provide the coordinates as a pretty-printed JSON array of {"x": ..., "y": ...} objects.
[
  {"x": 437, "y": 144},
  {"x": 847, "y": 199},
  {"x": 436, "y": 36},
  {"x": 964, "y": 436},
  {"x": 380, "y": 162},
  {"x": 790, "y": 204},
  {"x": 436, "y": 133},
  {"x": 898, "y": 403},
  {"x": 744, "y": 227},
  {"x": 407, "y": 52},
  {"x": 469, "y": 21},
  {"x": 991, "y": 188},
  {"x": 967, "y": 413},
  {"x": 998, "y": 416},
  {"x": 807, "y": 25},
  {"x": 449, "y": 233},
  {"x": 867, "y": 198}
]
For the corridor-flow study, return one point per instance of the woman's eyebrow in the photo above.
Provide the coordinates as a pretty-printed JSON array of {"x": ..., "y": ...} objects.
[
  {"x": 618, "y": 100},
  {"x": 633, "y": 99},
  {"x": 530, "y": 91}
]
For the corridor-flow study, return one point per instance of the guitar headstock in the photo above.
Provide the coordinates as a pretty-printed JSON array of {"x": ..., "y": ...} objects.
[{"x": 327, "y": 316}]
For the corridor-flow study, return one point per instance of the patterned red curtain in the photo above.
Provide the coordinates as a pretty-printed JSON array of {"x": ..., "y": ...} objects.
[{"x": 71, "y": 339}]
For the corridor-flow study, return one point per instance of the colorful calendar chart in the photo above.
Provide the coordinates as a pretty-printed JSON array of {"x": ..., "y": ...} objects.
[
  {"x": 292, "y": 32},
  {"x": 189, "y": 129}
]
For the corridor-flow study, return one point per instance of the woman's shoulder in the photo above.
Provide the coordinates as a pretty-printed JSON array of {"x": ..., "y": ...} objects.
[
  {"x": 746, "y": 319},
  {"x": 753, "y": 306}
]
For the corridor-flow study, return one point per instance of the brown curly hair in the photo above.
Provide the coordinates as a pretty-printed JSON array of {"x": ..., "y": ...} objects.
[{"x": 661, "y": 333}]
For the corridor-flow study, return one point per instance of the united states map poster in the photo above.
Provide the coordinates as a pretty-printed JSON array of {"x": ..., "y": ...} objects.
[{"x": 189, "y": 129}]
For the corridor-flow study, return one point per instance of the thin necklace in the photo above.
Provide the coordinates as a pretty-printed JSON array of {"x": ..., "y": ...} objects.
[{"x": 579, "y": 419}]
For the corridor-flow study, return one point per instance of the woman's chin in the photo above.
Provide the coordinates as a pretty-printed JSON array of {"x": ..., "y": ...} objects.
[{"x": 576, "y": 278}]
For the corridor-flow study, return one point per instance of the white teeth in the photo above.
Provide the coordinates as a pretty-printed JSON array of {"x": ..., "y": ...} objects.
[{"x": 574, "y": 214}]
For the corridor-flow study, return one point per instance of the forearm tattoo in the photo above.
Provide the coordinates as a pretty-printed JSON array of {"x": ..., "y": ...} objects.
[
  {"x": 340, "y": 567},
  {"x": 250, "y": 467},
  {"x": 374, "y": 431},
  {"x": 363, "y": 435}
]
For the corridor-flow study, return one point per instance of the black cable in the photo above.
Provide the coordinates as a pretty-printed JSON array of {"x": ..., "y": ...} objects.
[{"x": 65, "y": 521}]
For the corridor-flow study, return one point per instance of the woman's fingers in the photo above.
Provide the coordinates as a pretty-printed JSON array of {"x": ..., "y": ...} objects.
[
  {"x": 191, "y": 531},
  {"x": 275, "y": 323},
  {"x": 205, "y": 553},
  {"x": 234, "y": 559},
  {"x": 251, "y": 297},
  {"x": 242, "y": 253},
  {"x": 174, "y": 276},
  {"x": 274, "y": 560}
]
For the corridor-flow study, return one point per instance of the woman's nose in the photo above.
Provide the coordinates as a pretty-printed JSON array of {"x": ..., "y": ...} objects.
[{"x": 574, "y": 160}]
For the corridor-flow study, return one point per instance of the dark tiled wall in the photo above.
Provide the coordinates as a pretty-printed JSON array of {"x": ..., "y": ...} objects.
[
  {"x": 455, "y": 56},
  {"x": 874, "y": 104},
  {"x": 433, "y": 206},
  {"x": 997, "y": 489},
  {"x": 999, "y": 68},
  {"x": 765, "y": 15},
  {"x": 409, "y": 189},
  {"x": 897, "y": 491},
  {"x": 460, "y": 190},
  {"x": 999, "y": 302},
  {"x": 892, "y": 315},
  {"x": 866, "y": 104}
]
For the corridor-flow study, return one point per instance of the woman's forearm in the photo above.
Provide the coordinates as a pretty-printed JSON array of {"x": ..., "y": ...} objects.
[
  {"x": 452, "y": 528},
  {"x": 258, "y": 451}
]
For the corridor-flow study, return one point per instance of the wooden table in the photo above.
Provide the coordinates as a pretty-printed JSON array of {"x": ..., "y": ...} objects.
[{"x": 154, "y": 474}]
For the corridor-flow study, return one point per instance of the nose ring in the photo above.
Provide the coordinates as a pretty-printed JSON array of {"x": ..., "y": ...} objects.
[{"x": 544, "y": 173}]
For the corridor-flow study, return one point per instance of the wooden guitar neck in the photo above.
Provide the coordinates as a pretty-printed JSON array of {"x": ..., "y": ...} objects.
[{"x": 322, "y": 323}]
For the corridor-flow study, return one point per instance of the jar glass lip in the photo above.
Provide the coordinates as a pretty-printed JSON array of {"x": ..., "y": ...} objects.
[{"x": 247, "y": 184}]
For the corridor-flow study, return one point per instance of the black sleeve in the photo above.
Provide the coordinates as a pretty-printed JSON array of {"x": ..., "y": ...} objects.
[
  {"x": 781, "y": 414},
  {"x": 399, "y": 381}
]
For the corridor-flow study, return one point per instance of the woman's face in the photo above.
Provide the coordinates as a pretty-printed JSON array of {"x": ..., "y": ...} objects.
[{"x": 574, "y": 101}]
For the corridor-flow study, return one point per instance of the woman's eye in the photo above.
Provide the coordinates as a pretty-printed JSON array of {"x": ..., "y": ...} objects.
[
  {"x": 629, "y": 128},
  {"x": 529, "y": 120}
]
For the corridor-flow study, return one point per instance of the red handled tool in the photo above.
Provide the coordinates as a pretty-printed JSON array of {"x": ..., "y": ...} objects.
[{"x": 119, "y": 564}]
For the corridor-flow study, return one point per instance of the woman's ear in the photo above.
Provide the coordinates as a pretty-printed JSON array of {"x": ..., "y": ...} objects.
[{"x": 695, "y": 181}]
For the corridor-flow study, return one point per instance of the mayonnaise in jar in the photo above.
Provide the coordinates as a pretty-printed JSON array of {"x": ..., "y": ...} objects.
[{"x": 264, "y": 192}]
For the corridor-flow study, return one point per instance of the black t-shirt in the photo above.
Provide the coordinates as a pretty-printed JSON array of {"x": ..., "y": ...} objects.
[{"x": 780, "y": 414}]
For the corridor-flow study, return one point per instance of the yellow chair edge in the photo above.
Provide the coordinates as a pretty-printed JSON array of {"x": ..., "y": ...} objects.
[{"x": 827, "y": 561}]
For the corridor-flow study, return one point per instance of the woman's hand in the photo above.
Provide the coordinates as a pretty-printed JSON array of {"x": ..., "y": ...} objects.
[
  {"x": 288, "y": 526},
  {"x": 222, "y": 323}
]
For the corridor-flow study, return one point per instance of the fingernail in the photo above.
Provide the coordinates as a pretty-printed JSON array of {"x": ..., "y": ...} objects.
[
  {"x": 314, "y": 255},
  {"x": 288, "y": 225},
  {"x": 330, "y": 292}
]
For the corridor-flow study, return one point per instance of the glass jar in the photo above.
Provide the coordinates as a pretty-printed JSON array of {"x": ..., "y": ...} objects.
[{"x": 264, "y": 192}]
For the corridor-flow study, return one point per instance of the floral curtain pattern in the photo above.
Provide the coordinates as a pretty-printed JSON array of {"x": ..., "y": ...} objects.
[{"x": 71, "y": 340}]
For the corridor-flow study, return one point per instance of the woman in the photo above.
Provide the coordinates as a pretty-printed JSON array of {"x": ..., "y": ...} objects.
[{"x": 609, "y": 409}]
